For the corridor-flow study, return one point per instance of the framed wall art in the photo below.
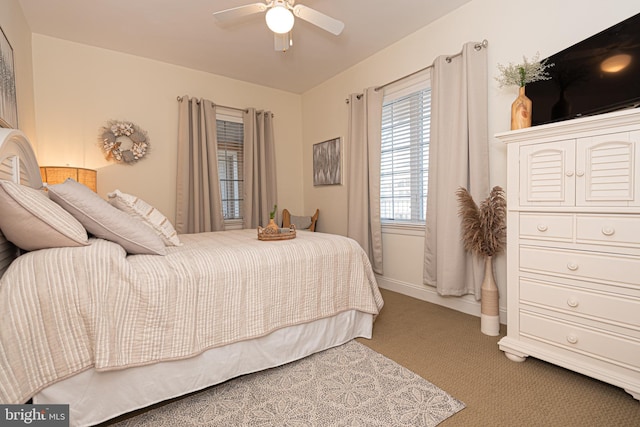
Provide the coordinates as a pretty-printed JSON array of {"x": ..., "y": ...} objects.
[
  {"x": 327, "y": 165},
  {"x": 8, "y": 103}
]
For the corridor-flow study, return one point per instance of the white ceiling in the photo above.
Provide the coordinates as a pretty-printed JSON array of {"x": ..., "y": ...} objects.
[{"x": 184, "y": 32}]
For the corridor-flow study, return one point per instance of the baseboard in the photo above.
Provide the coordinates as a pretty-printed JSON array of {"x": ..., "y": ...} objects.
[{"x": 466, "y": 304}]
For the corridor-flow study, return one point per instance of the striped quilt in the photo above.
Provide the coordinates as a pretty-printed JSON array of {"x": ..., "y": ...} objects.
[{"x": 66, "y": 310}]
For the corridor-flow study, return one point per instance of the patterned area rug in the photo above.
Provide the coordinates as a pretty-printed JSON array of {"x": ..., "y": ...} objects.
[{"x": 350, "y": 385}]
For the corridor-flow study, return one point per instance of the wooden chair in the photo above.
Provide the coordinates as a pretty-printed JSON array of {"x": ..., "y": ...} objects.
[{"x": 286, "y": 219}]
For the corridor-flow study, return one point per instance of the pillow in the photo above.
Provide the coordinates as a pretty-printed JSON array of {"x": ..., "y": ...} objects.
[
  {"x": 151, "y": 216},
  {"x": 105, "y": 221},
  {"x": 301, "y": 222},
  {"x": 31, "y": 221}
]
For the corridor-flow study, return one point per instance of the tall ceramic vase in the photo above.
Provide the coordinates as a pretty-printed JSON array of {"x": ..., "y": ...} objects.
[
  {"x": 521, "y": 111},
  {"x": 489, "y": 310}
]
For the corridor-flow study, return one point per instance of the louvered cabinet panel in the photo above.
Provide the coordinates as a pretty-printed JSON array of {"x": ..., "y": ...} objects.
[
  {"x": 546, "y": 174},
  {"x": 607, "y": 170}
]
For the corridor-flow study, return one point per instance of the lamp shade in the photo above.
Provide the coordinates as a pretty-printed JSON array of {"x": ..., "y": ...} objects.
[
  {"x": 279, "y": 19},
  {"x": 57, "y": 174}
]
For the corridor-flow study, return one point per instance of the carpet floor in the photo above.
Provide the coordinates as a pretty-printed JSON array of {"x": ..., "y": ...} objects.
[
  {"x": 447, "y": 348},
  {"x": 349, "y": 385}
]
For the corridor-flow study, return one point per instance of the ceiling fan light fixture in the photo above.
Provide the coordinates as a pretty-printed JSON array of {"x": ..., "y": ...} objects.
[
  {"x": 616, "y": 63},
  {"x": 279, "y": 19}
]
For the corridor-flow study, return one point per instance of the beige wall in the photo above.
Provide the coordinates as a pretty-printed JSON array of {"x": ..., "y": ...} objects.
[
  {"x": 79, "y": 88},
  {"x": 18, "y": 33},
  {"x": 513, "y": 29}
]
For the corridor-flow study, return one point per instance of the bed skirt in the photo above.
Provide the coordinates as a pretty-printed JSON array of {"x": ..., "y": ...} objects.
[{"x": 95, "y": 397}]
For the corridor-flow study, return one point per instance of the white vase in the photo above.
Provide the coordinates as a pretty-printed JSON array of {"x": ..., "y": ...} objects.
[{"x": 489, "y": 309}]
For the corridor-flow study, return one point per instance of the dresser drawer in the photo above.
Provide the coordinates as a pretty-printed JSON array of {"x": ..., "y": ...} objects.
[
  {"x": 546, "y": 226},
  {"x": 623, "y": 310},
  {"x": 619, "y": 230},
  {"x": 586, "y": 265},
  {"x": 613, "y": 348}
]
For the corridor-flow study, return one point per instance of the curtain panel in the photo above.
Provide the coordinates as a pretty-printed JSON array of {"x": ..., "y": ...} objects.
[
  {"x": 363, "y": 177},
  {"x": 260, "y": 184},
  {"x": 198, "y": 198},
  {"x": 458, "y": 157}
]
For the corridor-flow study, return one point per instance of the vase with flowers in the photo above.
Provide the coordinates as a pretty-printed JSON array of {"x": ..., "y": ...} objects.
[
  {"x": 484, "y": 234},
  {"x": 520, "y": 75}
]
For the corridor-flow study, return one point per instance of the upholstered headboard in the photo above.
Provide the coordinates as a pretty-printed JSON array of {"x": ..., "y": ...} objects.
[{"x": 18, "y": 164}]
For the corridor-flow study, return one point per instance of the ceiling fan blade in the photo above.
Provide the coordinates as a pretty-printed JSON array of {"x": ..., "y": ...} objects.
[
  {"x": 234, "y": 13},
  {"x": 318, "y": 19},
  {"x": 282, "y": 42}
]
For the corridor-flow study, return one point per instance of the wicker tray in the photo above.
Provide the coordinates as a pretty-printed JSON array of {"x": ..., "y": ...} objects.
[{"x": 279, "y": 234}]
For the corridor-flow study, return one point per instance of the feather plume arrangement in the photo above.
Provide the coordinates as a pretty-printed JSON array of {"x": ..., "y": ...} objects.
[{"x": 483, "y": 227}]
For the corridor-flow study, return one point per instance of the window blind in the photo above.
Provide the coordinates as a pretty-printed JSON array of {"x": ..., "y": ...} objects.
[
  {"x": 404, "y": 168},
  {"x": 230, "y": 134}
]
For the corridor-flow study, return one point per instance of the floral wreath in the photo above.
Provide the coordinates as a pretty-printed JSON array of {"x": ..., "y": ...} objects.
[{"x": 124, "y": 142}]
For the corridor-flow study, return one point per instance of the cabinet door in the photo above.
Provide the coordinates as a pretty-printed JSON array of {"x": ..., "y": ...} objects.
[
  {"x": 547, "y": 174},
  {"x": 607, "y": 170}
]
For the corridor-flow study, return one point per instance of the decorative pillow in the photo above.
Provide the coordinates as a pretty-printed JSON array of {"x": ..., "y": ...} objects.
[
  {"x": 105, "y": 221},
  {"x": 31, "y": 221},
  {"x": 151, "y": 216},
  {"x": 301, "y": 222}
]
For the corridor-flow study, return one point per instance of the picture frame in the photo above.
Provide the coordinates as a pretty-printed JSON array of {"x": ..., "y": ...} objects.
[
  {"x": 8, "y": 99},
  {"x": 327, "y": 162}
]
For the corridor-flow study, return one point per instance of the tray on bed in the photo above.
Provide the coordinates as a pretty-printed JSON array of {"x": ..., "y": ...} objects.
[{"x": 268, "y": 233}]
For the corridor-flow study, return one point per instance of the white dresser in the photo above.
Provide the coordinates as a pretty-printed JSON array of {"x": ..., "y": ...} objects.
[{"x": 573, "y": 246}]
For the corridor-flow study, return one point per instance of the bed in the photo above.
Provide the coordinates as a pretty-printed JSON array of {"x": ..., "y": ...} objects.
[{"x": 108, "y": 332}]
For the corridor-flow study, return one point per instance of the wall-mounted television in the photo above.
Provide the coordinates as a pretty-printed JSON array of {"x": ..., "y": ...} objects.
[{"x": 597, "y": 75}]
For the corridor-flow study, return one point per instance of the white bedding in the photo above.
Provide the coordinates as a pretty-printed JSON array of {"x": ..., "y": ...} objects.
[{"x": 73, "y": 309}]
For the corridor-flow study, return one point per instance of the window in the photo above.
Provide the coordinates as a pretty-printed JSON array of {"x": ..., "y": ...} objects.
[
  {"x": 230, "y": 133},
  {"x": 404, "y": 166}
]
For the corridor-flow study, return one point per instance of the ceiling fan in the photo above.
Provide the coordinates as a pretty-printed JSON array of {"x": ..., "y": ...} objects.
[{"x": 280, "y": 18}]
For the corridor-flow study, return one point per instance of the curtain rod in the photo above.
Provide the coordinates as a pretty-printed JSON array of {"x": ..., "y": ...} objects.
[
  {"x": 180, "y": 98},
  {"x": 477, "y": 47}
]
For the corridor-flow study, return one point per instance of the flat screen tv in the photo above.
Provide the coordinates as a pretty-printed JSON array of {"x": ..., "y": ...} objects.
[{"x": 597, "y": 75}]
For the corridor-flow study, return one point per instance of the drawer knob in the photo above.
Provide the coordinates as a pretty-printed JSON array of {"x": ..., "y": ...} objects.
[
  {"x": 608, "y": 231},
  {"x": 542, "y": 228},
  {"x": 572, "y": 302},
  {"x": 569, "y": 173},
  {"x": 571, "y": 266},
  {"x": 572, "y": 339},
  {"x": 580, "y": 173}
]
